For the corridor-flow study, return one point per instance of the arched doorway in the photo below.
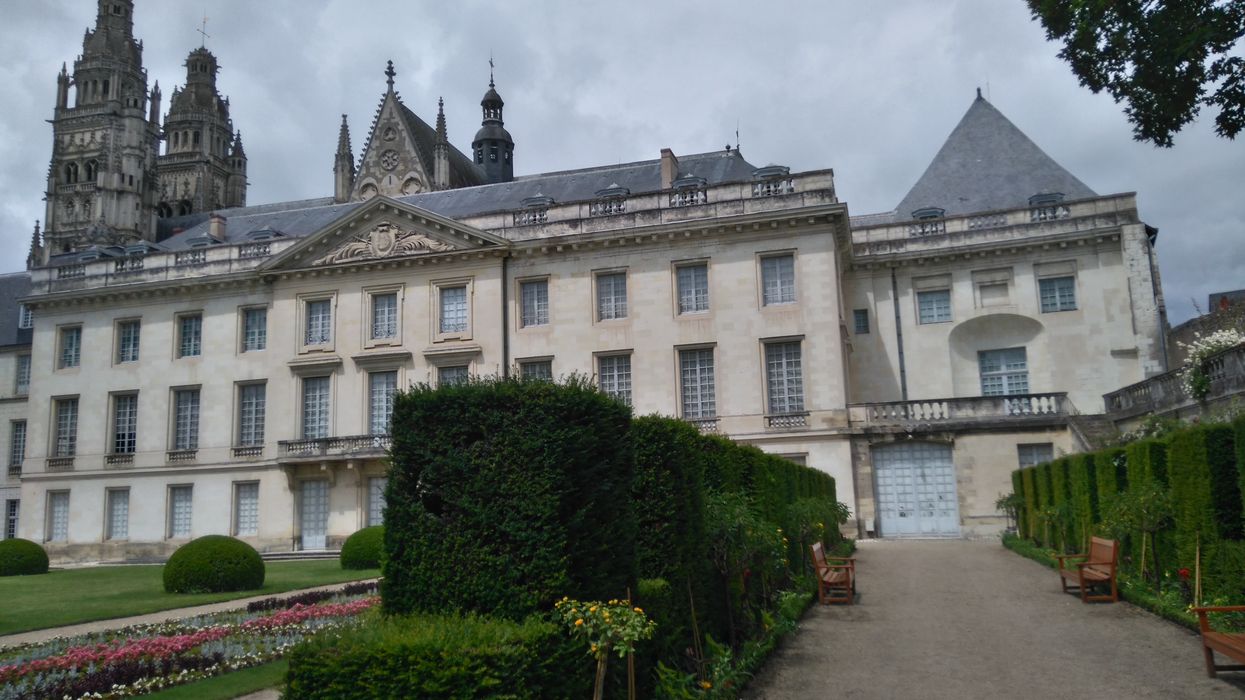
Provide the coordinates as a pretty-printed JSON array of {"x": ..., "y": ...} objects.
[{"x": 916, "y": 492}]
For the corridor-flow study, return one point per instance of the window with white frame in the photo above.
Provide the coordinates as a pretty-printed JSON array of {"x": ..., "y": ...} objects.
[
  {"x": 696, "y": 383},
  {"x": 453, "y": 314},
  {"x": 384, "y": 316},
  {"x": 1057, "y": 294},
  {"x": 315, "y": 408},
  {"x": 17, "y": 446},
  {"x": 382, "y": 387},
  {"x": 186, "y": 419},
  {"x": 70, "y": 347},
  {"x": 614, "y": 376},
  {"x": 124, "y": 423},
  {"x": 12, "y": 508},
  {"x": 536, "y": 369},
  {"x": 376, "y": 500},
  {"x": 254, "y": 329},
  {"x": 784, "y": 377},
  {"x": 21, "y": 384},
  {"x": 127, "y": 341},
  {"x": 65, "y": 438},
  {"x": 181, "y": 503},
  {"x": 319, "y": 322},
  {"x": 934, "y": 306},
  {"x": 778, "y": 279},
  {"x": 534, "y": 296},
  {"x": 452, "y": 374},
  {"x": 190, "y": 335},
  {"x": 861, "y": 318},
  {"x": 246, "y": 509},
  {"x": 117, "y": 526},
  {"x": 1003, "y": 372},
  {"x": 252, "y": 407},
  {"x": 58, "y": 516},
  {"x": 25, "y": 317},
  {"x": 1032, "y": 454},
  {"x": 693, "y": 288},
  {"x": 611, "y": 296}
]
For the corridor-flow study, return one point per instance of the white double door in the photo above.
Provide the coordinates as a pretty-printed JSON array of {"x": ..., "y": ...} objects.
[
  {"x": 313, "y": 510},
  {"x": 916, "y": 490}
]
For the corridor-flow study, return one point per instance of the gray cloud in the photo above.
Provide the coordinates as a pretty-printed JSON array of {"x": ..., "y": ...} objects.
[{"x": 869, "y": 89}]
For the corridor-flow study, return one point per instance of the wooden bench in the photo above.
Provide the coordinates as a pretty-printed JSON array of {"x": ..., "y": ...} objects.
[
  {"x": 1230, "y": 644},
  {"x": 836, "y": 577},
  {"x": 1098, "y": 568}
]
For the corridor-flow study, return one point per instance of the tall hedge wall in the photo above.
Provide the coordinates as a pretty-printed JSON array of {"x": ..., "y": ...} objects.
[
  {"x": 1111, "y": 472},
  {"x": 1205, "y": 487},
  {"x": 1083, "y": 493},
  {"x": 1028, "y": 477},
  {"x": 1018, "y": 488}
]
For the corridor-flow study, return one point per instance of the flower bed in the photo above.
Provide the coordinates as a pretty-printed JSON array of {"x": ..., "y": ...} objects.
[{"x": 143, "y": 658}]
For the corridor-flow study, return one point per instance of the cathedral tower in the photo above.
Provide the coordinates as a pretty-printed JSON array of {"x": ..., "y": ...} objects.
[
  {"x": 494, "y": 149},
  {"x": 203, "y": 166},
  {"x": 101, "y": 178}
]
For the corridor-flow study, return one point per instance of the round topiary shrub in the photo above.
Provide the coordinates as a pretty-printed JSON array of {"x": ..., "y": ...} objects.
[
  {"x": 20, "y": 557},
  {"x": 214, "y": 564},
  {"x": 362, "y": 550}
]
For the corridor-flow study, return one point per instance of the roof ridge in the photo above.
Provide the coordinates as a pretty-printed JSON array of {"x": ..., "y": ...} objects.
[{"x": 618, "y": 166}]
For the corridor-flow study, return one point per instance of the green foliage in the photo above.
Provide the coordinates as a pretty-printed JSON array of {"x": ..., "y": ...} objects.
[
  {"x": 504, "y": 495},
  {"x": 1028, "y": 477},
  {"x": 1083, "y": 493},
  {"x": 1238, "y": 439},
  {"x": 1011, "y": 505},
  {"x": 1111, "y": 472},
  {"x": 811, "y": 520},
  {"x": 1205, "y": 489},
  {"x": 20, "y": 557},
  {"x": 1146, "y": 460},
  {"x": 1164, "y": 60},
  {"x": 1045, "y": 504},
  {"x": 364, "y": 549},
  {"x": 213, "y": 564},
  {"x": 439, "y": 656}
]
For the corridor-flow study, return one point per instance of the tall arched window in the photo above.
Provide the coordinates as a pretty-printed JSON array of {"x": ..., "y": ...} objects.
[
  {"x": 92, "y": 170},
  {"x": 71, "y": 173}
]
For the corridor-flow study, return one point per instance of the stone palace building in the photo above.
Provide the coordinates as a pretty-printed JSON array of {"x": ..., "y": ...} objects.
[{"x": 180, "y": 363}]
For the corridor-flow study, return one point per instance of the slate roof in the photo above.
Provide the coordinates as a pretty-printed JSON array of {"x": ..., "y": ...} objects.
[
  {"x": 302, "y": 218},
  {"x": 13, "y": 286},
  {"x": 988, "y": 164},
  {"x": 463, "y": 172}
]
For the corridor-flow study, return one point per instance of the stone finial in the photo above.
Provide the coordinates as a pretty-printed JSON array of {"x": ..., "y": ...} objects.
[{"x": 389, "y": 74}]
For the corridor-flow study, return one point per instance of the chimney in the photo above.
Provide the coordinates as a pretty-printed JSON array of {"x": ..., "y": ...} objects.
[
  {"x": 216, "y": 226},
  {"x": 669, "y": 168}
]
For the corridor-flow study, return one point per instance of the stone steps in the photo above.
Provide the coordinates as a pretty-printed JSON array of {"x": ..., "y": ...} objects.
[{"x": 302, "y": 555}]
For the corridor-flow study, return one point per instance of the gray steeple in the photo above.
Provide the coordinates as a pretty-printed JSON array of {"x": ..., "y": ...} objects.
[{"x": 986, "y": 164}]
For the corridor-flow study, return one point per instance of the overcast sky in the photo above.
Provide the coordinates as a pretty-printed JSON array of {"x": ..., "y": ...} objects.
[{"x": 870, "y": 89}]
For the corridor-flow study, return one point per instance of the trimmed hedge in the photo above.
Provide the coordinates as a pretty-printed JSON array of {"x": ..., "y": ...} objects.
[
  {"x": 1111, "y": 471},
  {"x": 19, "y": 557},
  {"x": 506, "y": 495},
  {"x": 1205, "y": 487},
  {"x": 214, "y": 564},
  {"x": 440, "y": 656},
  {"x": 1083, "y": 495},
  {"x": 1028, "y": 477},
  {"x": 364, "y": 549}
]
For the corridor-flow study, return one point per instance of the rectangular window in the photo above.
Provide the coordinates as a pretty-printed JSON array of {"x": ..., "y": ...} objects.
[
  {"x": 611, "y": 296},
  {"x": 319, "y": 329},
  {"x": 315, "y": 408},
  {"x": 693, "y": 285},
  {"x": 71, "y": 347},
  {"x": 124, "y": 423},
  {"x": 453, "y": 310},
  {"x": 376, "y": 500},
  {"x": 252, "y": 406},
  {"x": 934, "y": 306},
  {"x": 66, "y": 436},
  {"x": 614, "y": 376},
  {"x": 456, "y": 374},
  {"x": 778, "y": 279},
  {"x": 1003, "y": 372},
  {"x": 1057, "y": 293},
  {"x": 246, "y": 509},
  {"x": 17, "y": 446},
  {"x": 383, "y": 386},
  {"x": 190, "y": 335},
  {"x": 784, "y": 377},
  {"x": 1035, "y": 453},
  {"x": 861, "y": 317},
  {"x": 118, "y": 524},
  {"x": 25, "y": 317},
  {"x": 535, "y": 299},
  {"x": 58, "y": 516},
  {"x": 186, "y": 419},
  {"x": 254, "y": 329},
  {"x": 21, "y": 385},
  {"x": 696, "y": 383},
  {"x": 384, "y": 316},
  {"x": 127, "y": 341},
  {"x": 12, "y": 508},
  {"x": 537, "y": 369},
  {"x": 181, "y": 501}
]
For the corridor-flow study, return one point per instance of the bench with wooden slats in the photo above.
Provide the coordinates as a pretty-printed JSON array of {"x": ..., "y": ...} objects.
[
  {"x": 1230, "y": 644},
  {"x": 836, "y": 577},
  {"x": 1098, "y": 568}
]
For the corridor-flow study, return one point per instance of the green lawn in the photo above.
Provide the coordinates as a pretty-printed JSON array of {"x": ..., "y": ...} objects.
[
  {"x": 230, "y": 685},
  {"x": 70, "y": 596}
]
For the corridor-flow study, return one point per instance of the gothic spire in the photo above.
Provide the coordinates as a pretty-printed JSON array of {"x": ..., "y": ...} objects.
[
  {"x": 237, "y": 144},
  {"x": 389, "y": 74},
  {"x": 35, "y": 257},
  {"x": 441, "y": 136},
  {"x": 343, "y": 138},
  {"x": 343, "y": 165}
]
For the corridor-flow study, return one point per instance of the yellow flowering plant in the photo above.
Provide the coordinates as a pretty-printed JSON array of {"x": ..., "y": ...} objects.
[{"x": 614, "y": 626}]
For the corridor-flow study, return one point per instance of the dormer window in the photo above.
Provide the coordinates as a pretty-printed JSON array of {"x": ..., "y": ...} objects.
[
  {"x": 535, "y": 210},
  {"x": 611, "y": 200},
  {"x": 772, "y": 180},
  {"x": 1047, "y": 206},
  {"x": 1045, "y": 199},
  {"x": 688, "y": 190},
  {"x": 927, "y": 213}
]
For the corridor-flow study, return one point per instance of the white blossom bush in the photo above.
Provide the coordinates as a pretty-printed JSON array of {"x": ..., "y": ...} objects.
[{"x": 1194, "y": 378}]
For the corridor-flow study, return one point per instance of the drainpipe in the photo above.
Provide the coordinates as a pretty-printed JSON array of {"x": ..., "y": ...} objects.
[
  {"x": 903, "y": 372},
  {"x": 505, "y": 316}
]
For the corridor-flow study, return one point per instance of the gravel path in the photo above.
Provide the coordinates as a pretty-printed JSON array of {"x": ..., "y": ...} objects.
[{"x": 970, "y": 619}]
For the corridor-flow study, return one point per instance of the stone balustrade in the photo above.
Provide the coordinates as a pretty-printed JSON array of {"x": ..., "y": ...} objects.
[
  {"x": 1165, "y": 392},
  {"x": 339, "y": 446},
  {"x": 972, "y": 409}
]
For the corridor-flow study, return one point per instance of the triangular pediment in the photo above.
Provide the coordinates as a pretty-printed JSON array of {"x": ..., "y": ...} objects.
[
  {"x": 382, "y": 230},
  {"x": 396, "y": 160}
]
